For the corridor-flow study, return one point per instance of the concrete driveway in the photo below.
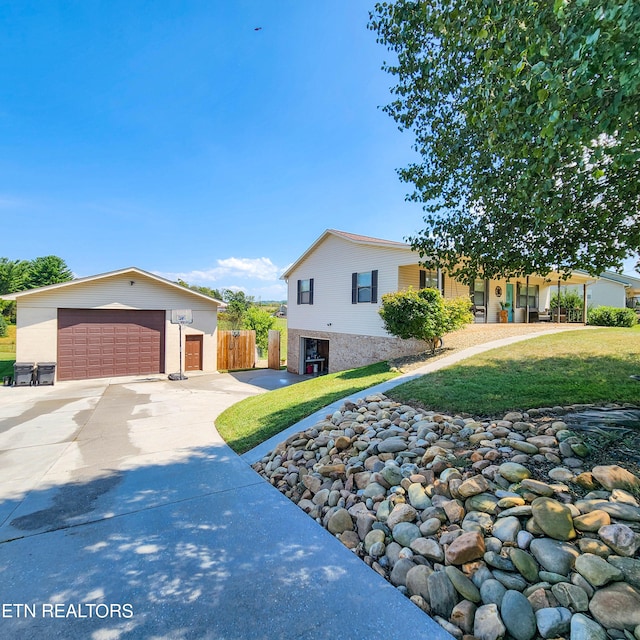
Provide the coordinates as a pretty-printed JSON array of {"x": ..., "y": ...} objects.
[{"x": 124, "y": 515}]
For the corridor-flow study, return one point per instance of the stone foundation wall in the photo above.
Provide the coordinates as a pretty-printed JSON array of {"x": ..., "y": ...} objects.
[{"x": 348, "y": 351}]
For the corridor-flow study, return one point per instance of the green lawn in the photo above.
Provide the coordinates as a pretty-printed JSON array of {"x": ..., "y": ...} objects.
[
  {"x": 575, "y": 367},
  {"x": 8, "y": 352},
  {"x": 254, "y": 420},
  {"x": 571, "y": 367}
]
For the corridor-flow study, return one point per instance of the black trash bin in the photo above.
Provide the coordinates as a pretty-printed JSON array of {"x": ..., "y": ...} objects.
[
  {"x": 23, "y": 373},
  {"x": 46, "y": 373}
]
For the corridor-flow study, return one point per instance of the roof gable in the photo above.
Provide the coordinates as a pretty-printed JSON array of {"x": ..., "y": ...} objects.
[
  {"x": 132, "y": 271},
  {"x": 350, "y": 237}
]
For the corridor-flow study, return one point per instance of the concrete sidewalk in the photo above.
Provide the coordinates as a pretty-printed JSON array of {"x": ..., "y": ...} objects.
[{"x": 124, "y": 515}]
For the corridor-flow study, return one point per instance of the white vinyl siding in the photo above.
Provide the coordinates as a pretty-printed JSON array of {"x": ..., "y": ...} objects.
[
  {"x": 116, "y": 292},
  {"x": 331, "y": 265}
]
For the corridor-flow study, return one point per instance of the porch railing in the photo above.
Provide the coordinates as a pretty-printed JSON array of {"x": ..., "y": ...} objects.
[{"x": 566, "y": 315}]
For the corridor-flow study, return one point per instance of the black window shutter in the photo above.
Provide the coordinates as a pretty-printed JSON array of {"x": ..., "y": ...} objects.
[
  {"x": 423, "y": 278},
  {"x": 374, "y": 286},
  {"x": 299, "y": 289},
  {"x": 311, "y": 291},
  {"x": 354, "y": 288}
]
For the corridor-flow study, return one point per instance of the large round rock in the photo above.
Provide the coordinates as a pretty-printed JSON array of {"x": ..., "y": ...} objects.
[
  {"x": 554, "y": 518},
  {"x": 467, "y": 547},
  {"x": 617, "y": 606}
]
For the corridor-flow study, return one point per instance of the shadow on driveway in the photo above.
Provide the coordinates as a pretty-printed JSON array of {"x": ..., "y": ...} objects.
[{"x": 200, "y": 548}]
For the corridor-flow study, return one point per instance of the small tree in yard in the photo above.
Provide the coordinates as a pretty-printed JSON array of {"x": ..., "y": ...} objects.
[
  {"x": 238, "y": 303},
  {"x": 423, "y": 314},
  {"x": 260, "y": 320}
]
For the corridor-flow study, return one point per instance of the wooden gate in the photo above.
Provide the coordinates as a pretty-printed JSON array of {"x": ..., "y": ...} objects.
[
  {"x": 273, "y": 361},
  {"x": 236, "y": 350}
]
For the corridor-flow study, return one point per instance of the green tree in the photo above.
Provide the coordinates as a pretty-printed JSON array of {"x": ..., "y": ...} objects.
[
  {"x": 46, "y": 270},
  {"x": 260, "y": 320},
  {"x": 526, "y": 120},
  {"x": 12, "y": 275},
  {"x": 423, "y": 314},
  {"x": 207, "y": 291},
  {"x": 237, "y": 305}
]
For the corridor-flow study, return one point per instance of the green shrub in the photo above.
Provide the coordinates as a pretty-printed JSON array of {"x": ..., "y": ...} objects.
[
  {"x": 3, "y": 327},
  {"x": 423, "y": 314},
  {"x": 611, "y": 317},
  {"x": 568, "y": 300},
  {"x": 458, "y": 311}
]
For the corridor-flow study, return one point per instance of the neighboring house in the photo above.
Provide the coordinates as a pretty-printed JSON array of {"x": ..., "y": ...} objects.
[
  {"x": 611, "y": 290},
  {"x": 115, "y": 324},
  {"x": 335, "y": 290}
]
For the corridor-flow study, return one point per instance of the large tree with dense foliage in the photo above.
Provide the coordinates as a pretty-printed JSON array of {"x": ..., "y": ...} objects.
[
  {"x": 18, "y": 275},
  {"x": 46, "y": 270},
  {"x": 526, "y": 118},
  {"x": 12, "y": 275}
]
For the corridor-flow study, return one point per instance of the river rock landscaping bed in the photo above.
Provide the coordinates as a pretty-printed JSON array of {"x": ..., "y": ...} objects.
[{"x": 495, "y": 528}]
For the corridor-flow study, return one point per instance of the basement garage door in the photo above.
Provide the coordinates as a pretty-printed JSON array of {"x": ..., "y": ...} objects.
[{"x": 99, "y": 343}]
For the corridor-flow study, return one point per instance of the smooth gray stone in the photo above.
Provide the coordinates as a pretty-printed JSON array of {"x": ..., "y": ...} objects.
[
  {"x": 517, "y": 615},
  {"x": 630, "y": 568},
  {"x": 442, "y": 593},
  {"x": 553, "y": 621},
  {"x": 399, "y": 572},
  {"x": 507, "y": 529},
  {"x": 487, "y": 623},
  {"x": 583, "y": 628},
  {"x": 405, "y": 533},
  {"x": 510, "y": 580},
  {"x": 553, "y": 555},
  {"x": 492, "y": 592},
  {"x": 495, "y": 560}
]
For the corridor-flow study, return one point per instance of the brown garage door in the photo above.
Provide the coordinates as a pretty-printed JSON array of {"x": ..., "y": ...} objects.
[{"x": 98, "y": 343}]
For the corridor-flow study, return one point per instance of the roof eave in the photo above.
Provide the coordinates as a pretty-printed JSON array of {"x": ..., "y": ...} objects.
[{"x": 110, "y": 274}]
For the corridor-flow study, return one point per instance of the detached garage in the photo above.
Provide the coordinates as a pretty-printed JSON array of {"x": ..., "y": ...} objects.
[{"x": 115, "y": 324}]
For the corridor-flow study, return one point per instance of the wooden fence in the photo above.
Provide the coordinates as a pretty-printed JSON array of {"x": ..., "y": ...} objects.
[{"x": 236, "y": 349}]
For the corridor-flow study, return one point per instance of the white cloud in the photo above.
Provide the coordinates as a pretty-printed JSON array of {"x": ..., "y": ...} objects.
[{"x": 228, "y": 269}]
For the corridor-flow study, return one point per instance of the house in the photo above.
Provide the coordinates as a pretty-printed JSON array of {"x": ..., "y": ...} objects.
[
  {"x": 614, "y": 290},
  {"x": 115, "y": 324},
  {"x": 610, "y": 290},
  {"x": 335, "y": 290}
]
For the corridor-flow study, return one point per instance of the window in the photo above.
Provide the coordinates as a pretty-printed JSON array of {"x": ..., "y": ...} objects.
[
  {"x": 428, "y": 279},
  {"x": 364, "y": 287},
  {"x": 478, "y": 293},
  {"x": 521, "y": 296},
  {"x": 305, "y": 291}
]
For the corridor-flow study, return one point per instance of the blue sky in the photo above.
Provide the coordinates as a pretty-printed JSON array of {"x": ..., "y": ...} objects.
[{"x": 175, "y": 137}]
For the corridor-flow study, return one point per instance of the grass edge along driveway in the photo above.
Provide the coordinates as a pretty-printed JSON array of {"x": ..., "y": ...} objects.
[
  {"x": 560, "y": 369},
  {"x": 253, "y": 420}
]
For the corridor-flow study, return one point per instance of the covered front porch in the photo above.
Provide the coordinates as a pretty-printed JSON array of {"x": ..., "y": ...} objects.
[{"x": 527, "y": 299}]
